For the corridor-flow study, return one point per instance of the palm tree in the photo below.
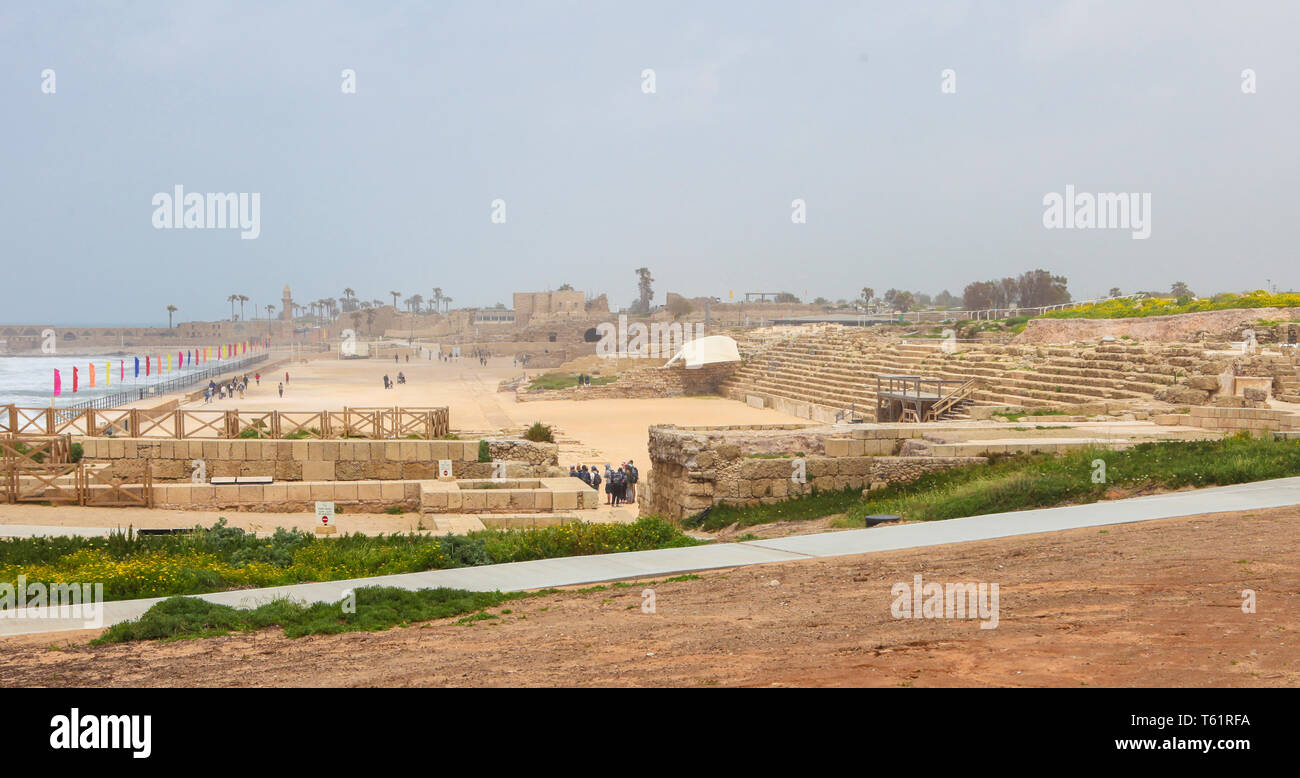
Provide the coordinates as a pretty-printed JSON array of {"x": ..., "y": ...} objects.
[
  {"x": 232, "y": 299},
  {"x": 349, "y": 297},
  {"x": 242, "y": 300},
  {"x": 417, "y": 300},
  {"x": 270, "y": 312},
  {"x": 446, "y": 303},
  {"x": 437, "y": 298},
  {"x": 394, "y": 294},
  {"x": 370, "y": 321},
  {"x": 170, "y": 310}
]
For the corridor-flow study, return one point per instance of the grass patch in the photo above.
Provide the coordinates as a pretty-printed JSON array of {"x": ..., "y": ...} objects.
[
  {"x": 1153, "y": 306},
  {"x": 812, "y": 506},
  {"x": 223, "y": 557},
  {"x": 377, "y": 608},
  {"x": 1026, "y": 481},
  {"x": 552, "y": 381},
  {"x": 1042, "y": 480}
]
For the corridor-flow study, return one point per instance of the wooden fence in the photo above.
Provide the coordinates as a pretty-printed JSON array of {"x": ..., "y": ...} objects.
[
  {"x": 34, "y": 469},
  {"x": 376, "y": 423}
]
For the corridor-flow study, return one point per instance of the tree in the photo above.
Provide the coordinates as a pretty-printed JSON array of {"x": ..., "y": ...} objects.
[
  {"x": 437, "y": 298},
  {"x": 242, "y": 300},
  {"x": 1038, "y": 288},
  {"x": 349, "y": 300},
  {"x": 1179, "y": 289},
  {"x": 270, "y": 312},
  {"x": 786, "y": 297},
  {"x": 978, "y": 295},
  {"x": 370, "y": 321},
  {"x": 565, "y": 288},
  {"x": 446, "y": 304},
  {"x": 946, "y": 299},
  {"x": 645, "y": 290},
  {"x": 904, "y": 301},
  {"x": 395, "y": 294},
  {"x": 416, "y": 302},
  {"x": 679, "y": 307},
  {"x": 1114, "y": 292},
  {"x": 868, "y": 294},
  {"x": 170, "y": 310}
]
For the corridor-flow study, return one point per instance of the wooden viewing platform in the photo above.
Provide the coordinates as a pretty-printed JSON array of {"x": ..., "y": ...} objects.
[{"x": 916, "y": 398}]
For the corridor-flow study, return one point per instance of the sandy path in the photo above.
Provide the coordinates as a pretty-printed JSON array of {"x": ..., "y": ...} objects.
[
  {"x": 609, "y": 430},
  {"x": 1148, "y": 604},
  {"x": 591, "y": 432}
]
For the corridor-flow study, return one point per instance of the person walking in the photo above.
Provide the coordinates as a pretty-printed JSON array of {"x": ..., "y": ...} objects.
[
  {"x": 258, "y": 377},
  {"x": 282, "y": 390},
  {"x": 633, "y": 475},
  {"x": 595, "y": 479}
]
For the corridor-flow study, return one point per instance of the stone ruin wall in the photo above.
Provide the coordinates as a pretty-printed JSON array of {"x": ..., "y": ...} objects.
[
  {"x": 644, "y": 383},
  {"x": 318, "y": 460},
  {"x": 694, "y": 468},
  {"x": 1175, "y": 327}
]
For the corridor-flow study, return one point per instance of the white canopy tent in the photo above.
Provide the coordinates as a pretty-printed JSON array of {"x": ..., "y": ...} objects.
[{"x": 708, "y": 350}]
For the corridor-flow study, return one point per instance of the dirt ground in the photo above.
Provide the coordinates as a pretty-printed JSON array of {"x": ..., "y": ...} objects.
[{"x": 1149, "y": 604}]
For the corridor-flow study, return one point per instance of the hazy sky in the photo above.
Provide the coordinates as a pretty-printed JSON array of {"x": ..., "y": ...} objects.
[{"x": 540, "y": 103}]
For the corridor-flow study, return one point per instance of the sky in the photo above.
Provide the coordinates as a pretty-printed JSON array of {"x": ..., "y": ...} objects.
[{"x": 543, "y": 104}]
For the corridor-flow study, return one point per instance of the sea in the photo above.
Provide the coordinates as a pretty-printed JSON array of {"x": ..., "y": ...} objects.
[{"x": 29, "y": 381}]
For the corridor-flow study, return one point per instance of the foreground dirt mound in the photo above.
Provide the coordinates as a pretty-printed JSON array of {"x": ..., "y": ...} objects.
[{"x": 1156, "y": 603}]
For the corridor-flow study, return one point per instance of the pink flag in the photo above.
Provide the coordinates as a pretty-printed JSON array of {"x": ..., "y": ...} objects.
[{"x": 58, "y": 383}]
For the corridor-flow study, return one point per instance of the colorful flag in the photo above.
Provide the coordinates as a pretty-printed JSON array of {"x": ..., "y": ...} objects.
[
  {"x": 146, "y": 365},
  {"x": 92, "y": 375},
  {"x": 74, "y": 380},
  {"x": 58, "y": 383},
  {"x": 137, "y": 367}
]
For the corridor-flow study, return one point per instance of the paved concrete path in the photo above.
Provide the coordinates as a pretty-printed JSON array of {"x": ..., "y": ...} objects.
[{"x": 521, "y": 576}]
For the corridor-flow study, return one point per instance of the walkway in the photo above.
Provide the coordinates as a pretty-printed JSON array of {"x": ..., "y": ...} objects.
[{"x": 540, "y": 574}]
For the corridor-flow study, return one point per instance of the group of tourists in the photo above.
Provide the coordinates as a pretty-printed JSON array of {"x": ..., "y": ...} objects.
[
  {"x": 620, "y": 484},
  {"x": 390, "y": 383},
  {"x": 228, "y": 389}
]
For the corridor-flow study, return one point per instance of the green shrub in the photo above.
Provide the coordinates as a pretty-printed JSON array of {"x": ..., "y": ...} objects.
[
  {"x": 539, "y": 433},
  {"x": 484, "y": 451}
]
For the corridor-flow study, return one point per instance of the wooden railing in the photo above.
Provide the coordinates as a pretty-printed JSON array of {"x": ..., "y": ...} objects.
[
  {"x": 948, "y": 401},
  {"x": 376, "y": 423},
  {"x": 34, "y": 470}
]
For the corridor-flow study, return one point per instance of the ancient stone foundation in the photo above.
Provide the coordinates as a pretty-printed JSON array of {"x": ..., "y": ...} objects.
[
  {"x": 693, "y": 468},
  {"x": 318, "y": 460}
]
